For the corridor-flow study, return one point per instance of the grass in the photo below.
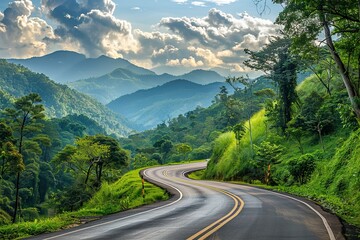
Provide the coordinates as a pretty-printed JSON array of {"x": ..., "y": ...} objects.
[
  {"x": 124, "y": 194},
  {"x": 197, "y": 175},
  {"x": 335, "y": 183}
]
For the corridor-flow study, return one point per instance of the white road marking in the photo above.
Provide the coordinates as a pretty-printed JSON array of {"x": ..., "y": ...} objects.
[{"x": 120, "y": 219}]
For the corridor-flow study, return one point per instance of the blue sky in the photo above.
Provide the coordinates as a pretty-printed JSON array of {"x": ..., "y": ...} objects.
[
  {"x": 145, "y": 13},
  {"x": 173, "y": 36}
]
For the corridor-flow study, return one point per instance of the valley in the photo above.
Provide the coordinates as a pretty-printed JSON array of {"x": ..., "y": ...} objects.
[{"x": 208, "y": 123}]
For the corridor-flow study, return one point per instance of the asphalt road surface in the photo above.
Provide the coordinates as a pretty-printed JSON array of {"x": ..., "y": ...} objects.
[{"x": 211, "y": 210}]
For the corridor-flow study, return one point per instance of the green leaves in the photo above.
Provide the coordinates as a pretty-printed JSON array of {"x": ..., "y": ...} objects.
[
  {"x": 268, "y": 153},
  {"x": 239, "y": 130}
]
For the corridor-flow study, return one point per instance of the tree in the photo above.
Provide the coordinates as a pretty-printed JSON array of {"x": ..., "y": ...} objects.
[
  {"x": 276, "y": 61},
  {"x": 268, "y": 154},
  {"x": 5, "y": 138},
  {"x": 183, "y": 148},
  {"x": 302, "y": 168},
  {"x": 304, "y": 21},
  {"x": 248, "y": 101},
  {"x": 239, "y": 130},
  {"x": 166, "y": 148},
  {"x": 233, "y": 105},
  {"x": 23, "y": 119},
  {"x": 90, "y": 156},
  {"x": 295, "y": 130},
  {"x": 317, "y": 115}
]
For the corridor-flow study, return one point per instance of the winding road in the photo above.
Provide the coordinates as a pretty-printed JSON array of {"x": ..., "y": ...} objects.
[{"x": 211, "y": 210}]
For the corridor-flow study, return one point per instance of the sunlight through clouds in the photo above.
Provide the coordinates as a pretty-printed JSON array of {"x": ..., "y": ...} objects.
[{"x": 216, "y": 40}]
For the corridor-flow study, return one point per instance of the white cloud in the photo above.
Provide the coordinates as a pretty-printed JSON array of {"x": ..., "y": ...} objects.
[
  {"x": 209, "y": 58},
  {"x": 136, "y": 8},
  {"x": 222, "y": 2},
  {"x": 252, "y": 42},
  {"x": 180, "y": 1},
  {"x": 92, "y": 25},
  {"x": 22, "y": 35},
  {"x": 219, "y": 39},
  {"x": 185, "y": 62},
  {"x": 225, "y": 53},
  {"x": 216, "y": 40},
  {"x": 198, "y": 4},
  {"x": 203, "y": 3}
]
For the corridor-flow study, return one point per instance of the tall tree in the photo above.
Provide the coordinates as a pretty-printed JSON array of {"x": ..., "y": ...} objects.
[
  {"x": 248, "y": 104},
  {"x": 339, "y": 21},
  {"x": 276, "y": 61},
  {"x": 90, "y": 156},
  {"x": 23, "y": 119}
]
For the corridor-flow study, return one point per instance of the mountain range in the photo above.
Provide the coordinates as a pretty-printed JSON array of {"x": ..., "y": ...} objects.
[
  {"x": 59, "y": 100},
  {"x": 123, "y": 81},
  {"x": 67, "y": 66},
  {"x": 149, "y": 107},
  {"x": 105, "y": 78},
  {"x": 140, "y": 95}
]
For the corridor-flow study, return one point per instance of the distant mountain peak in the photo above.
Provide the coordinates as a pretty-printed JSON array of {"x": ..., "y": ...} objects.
[{"x": 67, "y": 66}]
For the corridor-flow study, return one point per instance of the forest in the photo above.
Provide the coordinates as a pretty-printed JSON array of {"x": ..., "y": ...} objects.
[{"x": 294, "y": 129}]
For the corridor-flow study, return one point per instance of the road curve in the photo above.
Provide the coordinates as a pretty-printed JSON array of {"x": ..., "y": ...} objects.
[{"x": 211, "y": 210}]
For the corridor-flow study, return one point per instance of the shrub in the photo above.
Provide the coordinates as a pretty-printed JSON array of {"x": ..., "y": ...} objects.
[
  {"x": 29, "y": 214},
  {"x": 302, "y": 168},
  {"x": 4, "y": 218}
]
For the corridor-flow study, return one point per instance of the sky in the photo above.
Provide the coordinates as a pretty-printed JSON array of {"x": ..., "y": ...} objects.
[{"x": 173, "y": 36}]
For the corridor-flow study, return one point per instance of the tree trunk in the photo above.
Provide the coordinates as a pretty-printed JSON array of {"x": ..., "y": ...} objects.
[
  {"x": 320, "y": 136},
  {"x": 17, "y": 197},
  {"x": 341, "y": 67},
  {"x": 100, "y": 173},
  {"x": 251, "y": 139},
  {"x": 3, "y": 166},
  {"x": 88, "y": 174},
  {"x": 17, "y": 186}
]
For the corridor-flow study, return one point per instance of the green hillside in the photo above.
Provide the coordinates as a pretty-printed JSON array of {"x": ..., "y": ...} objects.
[
  {"x": 59, "y": 100},
  {"x": 326, "y": 171}
]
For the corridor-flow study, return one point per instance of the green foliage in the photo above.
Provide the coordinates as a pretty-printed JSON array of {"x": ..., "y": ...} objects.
[
  {"x": 183, "y": 149},
  {"x": 268, "y": 153},
  {"x": 280, "y": 66},
  {"x": 121, "y": 195},
  {"x": 303, "y": 22},
  {"x": 4, "y": 218},
  {"x": 91, "y": 159},
  {"x": 198, "y": 128},
  {"x": 29, "y": 214},
  {"x": 59, "y": 100},
  {"x": 329, "y": 176},
  {"x": 26, "y": 229},
  {"x": 239, "y": 131},
  {"x": 124, "y": 194},
  {"x": 302, "y": 168},
  {"x": 197, "y": 175},
  {"x": 140, "y": 161}
]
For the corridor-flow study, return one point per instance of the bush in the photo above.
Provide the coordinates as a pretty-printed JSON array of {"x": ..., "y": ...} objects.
[
  {"x": 29, "y": 214},
  {"x": 4, "y": 218},
  {"x": 202, "y": 152},
  {"x": 302, "y": 168}
]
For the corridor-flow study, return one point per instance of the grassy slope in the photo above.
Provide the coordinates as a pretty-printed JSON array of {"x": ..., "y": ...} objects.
[
  {"x": 119, "y": 196},
  {"x": 335, "y": 182}
]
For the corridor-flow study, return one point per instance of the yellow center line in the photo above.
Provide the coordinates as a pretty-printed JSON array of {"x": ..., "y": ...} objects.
[
  {"x": 236, "y": 200},
  {"x": 215, "y": 226}
]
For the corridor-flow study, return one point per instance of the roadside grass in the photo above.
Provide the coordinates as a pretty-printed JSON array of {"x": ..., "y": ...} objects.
[
  {"x": 197, "y": 175},
  {"x": 126, "y": 193},
  {"x": 334, "y": 184}
]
